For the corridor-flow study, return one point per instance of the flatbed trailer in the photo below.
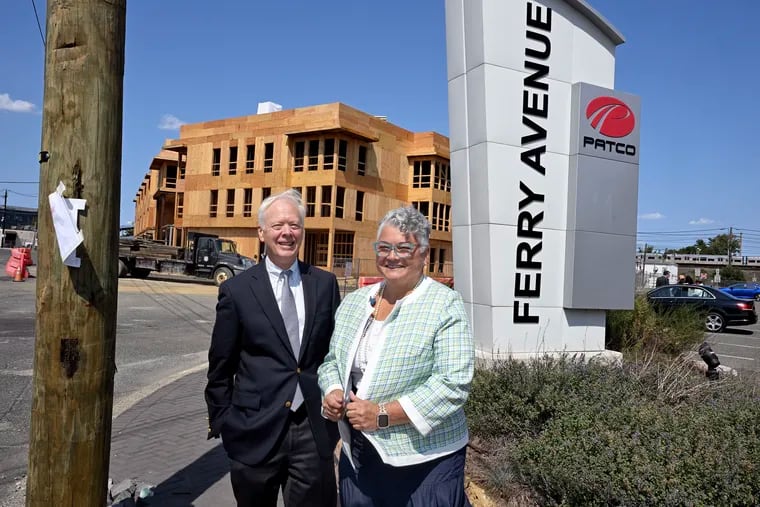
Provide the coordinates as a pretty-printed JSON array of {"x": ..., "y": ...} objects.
[{"x": 206, "y": 256}]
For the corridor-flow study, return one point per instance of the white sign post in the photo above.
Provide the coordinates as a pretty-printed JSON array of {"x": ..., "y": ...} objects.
[{"x": 544, "y": 159}]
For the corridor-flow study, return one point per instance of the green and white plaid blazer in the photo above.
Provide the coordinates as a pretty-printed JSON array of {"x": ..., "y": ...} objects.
[{"x": 425, "y": 361}]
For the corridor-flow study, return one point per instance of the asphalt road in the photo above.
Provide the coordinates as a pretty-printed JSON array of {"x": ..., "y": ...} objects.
[
  {"x": 163, "y": 331},
  {"x": 738, "y": 347}
]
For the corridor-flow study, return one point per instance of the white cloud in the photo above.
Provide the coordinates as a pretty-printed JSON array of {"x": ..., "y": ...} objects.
[
  {"x": 17, "y": 106},
  {"x": 652, "y": 216},
  {"x": 170, "y": 122},
  {"x": 702, "y": 221}
]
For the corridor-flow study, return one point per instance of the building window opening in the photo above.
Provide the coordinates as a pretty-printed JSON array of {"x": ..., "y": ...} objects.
[
  {"x": 329, "y": 154},
  {"x": 250, "y": 157},
  {"x": 247, "y": 202},
  {"x": 423, "y": 207},
  {"x": 268, "y": 157},
  {"x": 233, "y": 160},
  {"x": 361, "y": 167},
  {"x": 230, "y": 202},
  {"x": 171, "y": 176},
  {"x": 326, "y": 201},
  {"x": 340, "y": 198},
  {"x": 216, "y": 162},
  {"x": 213, "y": 203},
  {"x": 342, "y": 154},
  {"x": 311, "y": 201},
  {"x": 359, "y": 215},
  {"x": 313, "y": 155},
  {"x": 421, "y": 175},
  {"x": 343, "y": 248},
  {"x": 298, "y": 158},
  {"x": 180, "y": 204},
  {"x": 315, "y": 247},
  {"x": 182, "y": 164}
]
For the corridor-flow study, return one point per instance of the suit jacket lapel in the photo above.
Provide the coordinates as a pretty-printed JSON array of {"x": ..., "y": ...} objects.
[
  {"x": 264, "y": 294},
  {"x": 309, "y": 284}
]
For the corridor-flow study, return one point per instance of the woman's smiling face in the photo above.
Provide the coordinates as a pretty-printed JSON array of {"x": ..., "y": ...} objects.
[{"x": 395, "y": 269}]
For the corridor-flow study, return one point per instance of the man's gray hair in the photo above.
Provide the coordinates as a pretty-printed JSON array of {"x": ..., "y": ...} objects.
[
  {"x": 290, "y": 194},
  {"x": 408, "y": 220}
]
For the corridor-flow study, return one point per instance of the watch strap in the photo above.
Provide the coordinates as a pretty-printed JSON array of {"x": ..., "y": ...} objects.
[{"x": 383, "y": 419}]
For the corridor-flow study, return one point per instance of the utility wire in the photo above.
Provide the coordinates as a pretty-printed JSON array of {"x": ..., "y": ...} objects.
[
  {"x": 684, "y": 231},
  {"x": 19, "y": 182},
  {"x": 23, "y": 195},
  {"x": 39, "y": 27}
]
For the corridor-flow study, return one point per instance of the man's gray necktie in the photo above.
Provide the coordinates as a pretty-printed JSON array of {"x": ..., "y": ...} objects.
[{"x": 290, "y": 317}]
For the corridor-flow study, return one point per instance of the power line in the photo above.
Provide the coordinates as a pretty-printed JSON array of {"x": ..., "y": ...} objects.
[
  {"x": 39, "y": 27},
  {"x": 684, "y": 231},
  {"x": 23, "y": 195},
  {"x": 19, "y": 182}
]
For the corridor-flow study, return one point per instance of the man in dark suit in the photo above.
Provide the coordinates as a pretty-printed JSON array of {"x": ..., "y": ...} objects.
[
  {"x": 663, "y": 279},
  {"x": 272, "y": 331}
]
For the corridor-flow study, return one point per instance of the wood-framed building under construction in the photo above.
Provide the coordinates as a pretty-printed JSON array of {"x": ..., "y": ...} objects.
[{"x": 350, "y": 167}]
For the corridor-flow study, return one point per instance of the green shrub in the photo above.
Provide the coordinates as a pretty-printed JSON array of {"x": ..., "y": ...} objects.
[
  {"x": 731, "y": 274},
  {"x": 644, "y": 330},
  {"x": 653, "y": 433}
]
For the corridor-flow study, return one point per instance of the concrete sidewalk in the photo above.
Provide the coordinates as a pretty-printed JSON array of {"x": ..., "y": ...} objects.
[{"x": 161, "y": 440}]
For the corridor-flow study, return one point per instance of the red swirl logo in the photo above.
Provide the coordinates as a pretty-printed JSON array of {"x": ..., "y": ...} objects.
[{"x": 610, "y": 117}]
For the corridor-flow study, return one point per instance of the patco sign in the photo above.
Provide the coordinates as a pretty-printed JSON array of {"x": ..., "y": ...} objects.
[
  {"x": 607, "y": 122},
  {"x": 544, "y": 157}
]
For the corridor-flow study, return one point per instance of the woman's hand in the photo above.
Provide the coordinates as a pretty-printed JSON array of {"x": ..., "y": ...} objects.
[
  {"x": 362, "y": 414},
  {"x": 332, "y": 405}
]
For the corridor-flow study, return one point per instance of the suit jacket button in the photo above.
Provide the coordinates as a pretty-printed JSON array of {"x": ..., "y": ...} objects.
[
  {"x": 298, "y": 370},
  {"x": 287, "y": 404}
]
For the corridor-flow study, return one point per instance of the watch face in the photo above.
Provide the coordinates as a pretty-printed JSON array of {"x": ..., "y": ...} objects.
[{"x": 382, "y": 421}]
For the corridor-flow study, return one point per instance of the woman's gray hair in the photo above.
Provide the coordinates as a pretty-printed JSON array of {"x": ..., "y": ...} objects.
[
  {"x": 290, "y": 194},
  {"x": 408, "y": 220}
]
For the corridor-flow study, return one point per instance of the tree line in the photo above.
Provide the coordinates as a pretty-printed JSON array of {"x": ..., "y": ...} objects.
[{"x": 718, "y": 245}]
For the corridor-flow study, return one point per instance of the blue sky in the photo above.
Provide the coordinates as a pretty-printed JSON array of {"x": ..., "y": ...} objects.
[{"x": 691, "y": 61}]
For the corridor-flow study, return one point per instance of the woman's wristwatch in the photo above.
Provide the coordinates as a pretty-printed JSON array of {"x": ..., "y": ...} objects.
[{"x": 383, "y": 421}]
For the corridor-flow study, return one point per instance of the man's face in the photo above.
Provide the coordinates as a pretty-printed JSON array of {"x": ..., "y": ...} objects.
[{"x": 282, "y": 232}]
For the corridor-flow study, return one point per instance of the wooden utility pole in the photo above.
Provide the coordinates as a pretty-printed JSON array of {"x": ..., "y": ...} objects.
[{"x": 70, "y": 434}]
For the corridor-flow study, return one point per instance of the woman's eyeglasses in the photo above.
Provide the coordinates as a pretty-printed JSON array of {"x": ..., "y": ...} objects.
[{"x": 403, "y": 250}]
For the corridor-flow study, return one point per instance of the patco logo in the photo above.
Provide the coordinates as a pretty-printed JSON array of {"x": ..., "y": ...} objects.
[{"x": 610, "y": 117}]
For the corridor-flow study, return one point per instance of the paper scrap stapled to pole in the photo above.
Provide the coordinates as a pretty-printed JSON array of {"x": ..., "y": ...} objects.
[{"x": 65, "y": 212}]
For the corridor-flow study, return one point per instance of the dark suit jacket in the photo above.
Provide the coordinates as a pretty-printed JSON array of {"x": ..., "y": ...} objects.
[{"x": 253, "y": 372}]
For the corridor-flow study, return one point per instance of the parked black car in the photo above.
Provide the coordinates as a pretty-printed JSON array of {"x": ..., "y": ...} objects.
[{"x": 719, "y": 309}]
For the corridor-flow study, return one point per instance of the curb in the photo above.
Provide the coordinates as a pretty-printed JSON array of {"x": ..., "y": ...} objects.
[{"x": 131, "y": 400}]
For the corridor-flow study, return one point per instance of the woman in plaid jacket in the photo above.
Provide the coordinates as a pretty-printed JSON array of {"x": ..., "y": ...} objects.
[{"x": 397, "y": 376}]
